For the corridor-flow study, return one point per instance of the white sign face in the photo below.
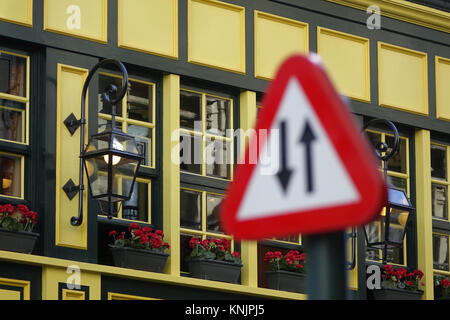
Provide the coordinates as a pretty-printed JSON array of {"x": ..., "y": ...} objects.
[{"x": 299, "y": 168}]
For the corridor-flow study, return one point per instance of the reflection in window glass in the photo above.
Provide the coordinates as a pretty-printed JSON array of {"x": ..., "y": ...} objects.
[
  {"x": 190, "y": 110},
  {"x": 140, "y": 101},
  {"x": 143, "y": 138},
  {"x": 399, "y": 183},
  {"x": 398, "y": 162},
  {"x": 191, "y": 209},
  {"x": 440, "y": 252},
  {"x": 137, "y": 207},
  {"x": 104, "y": 82},
  {"x": 191, "y": 153},
  {"x": 213, "y": 212},
  {"x": 217, "y": 116},
  {"x": 374, "y": 139},
  {"x": 439, "y": 196},
  {"x": 438, "y": 162},
  {"x": 12, "y": 124},
  {"x": 11, "y": 175},
  {"x": 13, "y": 75},
  {"x": 218, "y": 158}
]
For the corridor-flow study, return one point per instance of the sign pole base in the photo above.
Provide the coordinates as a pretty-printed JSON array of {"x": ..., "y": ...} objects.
[{"x": 326, "y": 272}]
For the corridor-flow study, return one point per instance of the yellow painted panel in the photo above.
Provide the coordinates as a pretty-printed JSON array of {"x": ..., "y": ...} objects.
[
  {"x": 73, "y": 295},
  {"x": 276, "y": 38},
  {"x": 150, "y": 26},
  {"x": 86, "y": 19},
  {"x": 216, "y": 35},
  {"x": 9, "y": 295},
  {"x": 70, "y": 85},
  {"x": 13, "y": 294},
  {"x": 347, "y": 61},
  {"x": 442, "y": 88},
  {"x": 121, "y": 296},
  {"x": 53, "y": 276},
  {"x": 402, "y": 76},
  {"x": 17, "y": 11}
]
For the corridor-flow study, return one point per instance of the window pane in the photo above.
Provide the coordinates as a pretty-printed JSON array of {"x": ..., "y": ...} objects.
[
  {"x": 218, "y": 158},
  {"x": 217, "y": 116},
  {"x": 13, "y": 75},
  {"x": 191, "y": 153},
  {"x": 137, "y": 207},
  {"x": 395, "y": 255},
  {"x": 140, "y": 101},
  {"x": 438, "y": 162},
  {"x": 374, "y": 139},
  {"x": 213, "y": 212},
  {"x": 104, "y": 82},
  {"x": 399, "y": 183},
  {"x": 185, "y": 250},
  {"x": 191, "y": 111},
  {"x": 398, "y": 162},
  {"x": 440, "y": 252},
  {"x": 12, "y": 125},
  {"x": 11, "y": 175},
  {"x": 144, "y": 140},
  {"x": 191, "y": 209},
  {"x": 104, "y": 124},
  {"x": 439, "y": 201}
]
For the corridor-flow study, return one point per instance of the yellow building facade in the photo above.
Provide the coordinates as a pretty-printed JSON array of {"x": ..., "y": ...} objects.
[{"x": 207, "y": 62}]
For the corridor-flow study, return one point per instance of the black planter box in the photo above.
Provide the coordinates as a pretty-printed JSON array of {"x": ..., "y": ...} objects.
[
  {"x": 286, "y": 281},
  {"x": 215, "y": 270},
  {"x": 17, "y": 241},
  {"x": 139, "y": 259},
  {"x": 396, "y": 294}
]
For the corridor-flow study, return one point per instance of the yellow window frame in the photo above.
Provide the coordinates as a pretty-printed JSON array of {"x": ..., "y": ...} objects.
[
  {"x": 204, "y": 233},
  {"x": 226, "y": 139},
  {"x": 443, "y": 272},
  {"x": 125, "y": 121},
  {"x": 25, "y": 100},
  {"x": 443, "y": 182},
  {"x": 22, "y": 174}
]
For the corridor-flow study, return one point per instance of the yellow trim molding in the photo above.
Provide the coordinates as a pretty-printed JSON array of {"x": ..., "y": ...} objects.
[
  {"x": 405, "y": 11},
  {"x": 19, "y": 284},
  {"x": 51, "y": 276}
]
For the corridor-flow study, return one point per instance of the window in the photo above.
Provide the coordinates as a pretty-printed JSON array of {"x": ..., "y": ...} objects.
[
  {"x": 439, "y": 181},
  {"x": 399, "y": 177},
  {"x": 14, "y": 121},
  {"x": 136, "y": 116},
  {"x": 206, "y": 137},
  {"x": 199, "y": 216},
  {"x": 206, "y": 159},
  {"x": 440, "y": 206}
]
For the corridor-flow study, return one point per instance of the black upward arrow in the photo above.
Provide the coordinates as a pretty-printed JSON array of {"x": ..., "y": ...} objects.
[
  {"x": 307, "y": 138},
  {"x": 284, "y": 173}
]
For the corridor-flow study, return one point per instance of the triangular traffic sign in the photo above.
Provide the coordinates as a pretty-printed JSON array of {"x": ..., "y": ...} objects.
[{"x": 314, "y": 171}]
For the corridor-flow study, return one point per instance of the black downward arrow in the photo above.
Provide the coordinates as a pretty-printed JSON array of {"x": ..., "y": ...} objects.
[
  {"x": 307, "y": 138},
  {"x": 284, "y": 173}
]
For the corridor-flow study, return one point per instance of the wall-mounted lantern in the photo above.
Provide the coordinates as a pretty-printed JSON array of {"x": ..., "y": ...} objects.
[{"x": 111, "y": 158}]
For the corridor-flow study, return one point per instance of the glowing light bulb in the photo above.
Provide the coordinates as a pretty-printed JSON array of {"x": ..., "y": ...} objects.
[{"x": 115, "y": 159}]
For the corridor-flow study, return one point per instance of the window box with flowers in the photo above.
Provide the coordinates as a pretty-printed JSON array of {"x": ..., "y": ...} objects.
[
  {"x": 16, "y": 226},
  {"x": 141, "y": 249},
  {"x": 441, "y": 288},
  {"x": 211, "y": 259},
  {"x": 288, "y": 271},
  {"x": 398, "y": 284}
]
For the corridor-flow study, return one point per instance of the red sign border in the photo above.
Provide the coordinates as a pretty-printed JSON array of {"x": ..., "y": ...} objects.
[{"x": 355, "y": 152}]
